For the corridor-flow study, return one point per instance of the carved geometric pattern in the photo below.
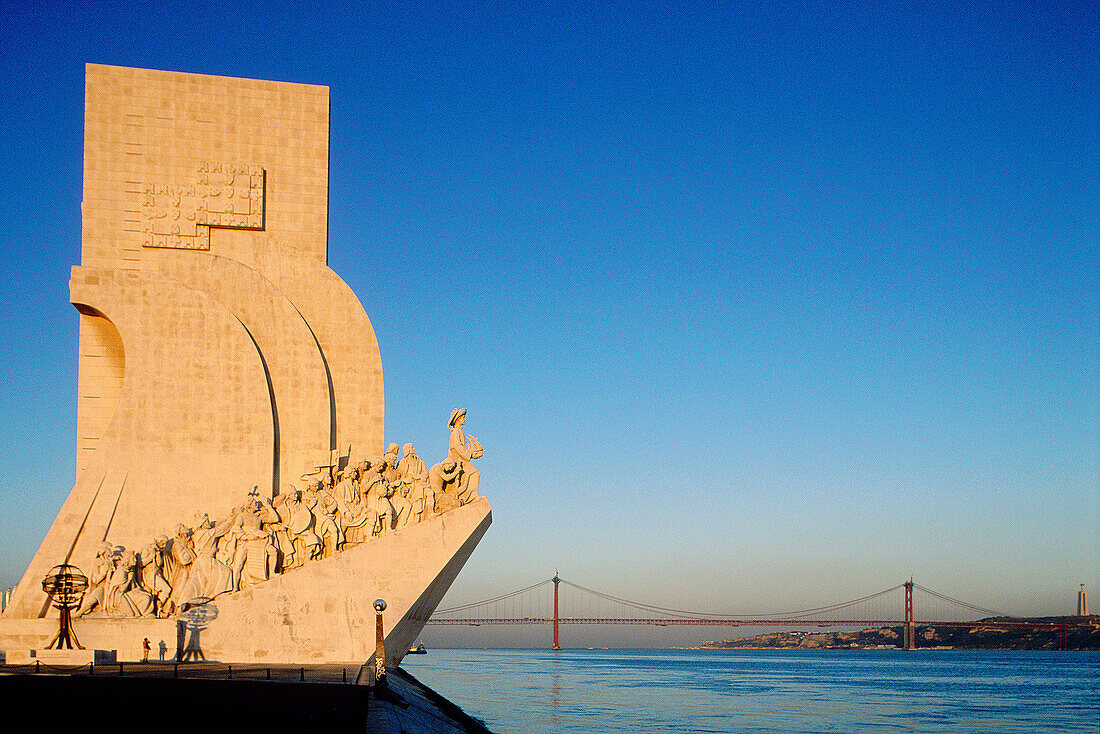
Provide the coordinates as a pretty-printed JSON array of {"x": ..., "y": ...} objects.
[
  {"x": 230, "y": 195},
  {"x": 227, "y": 195}
]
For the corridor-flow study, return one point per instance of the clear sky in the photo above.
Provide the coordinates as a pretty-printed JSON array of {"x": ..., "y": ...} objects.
[{"x": 753, "y": 308}]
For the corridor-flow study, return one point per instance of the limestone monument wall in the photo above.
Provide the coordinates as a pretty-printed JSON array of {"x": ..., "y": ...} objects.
[{"x": 218, "y": 352}]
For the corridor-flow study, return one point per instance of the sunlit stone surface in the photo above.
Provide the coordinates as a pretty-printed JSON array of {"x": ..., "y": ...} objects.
[{"x": 233, "y": 494}]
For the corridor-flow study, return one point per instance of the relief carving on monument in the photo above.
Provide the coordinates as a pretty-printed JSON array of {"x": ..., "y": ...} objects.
[
  {"x": 223, "y": 195},
  {"x": 337, "y": 509}
]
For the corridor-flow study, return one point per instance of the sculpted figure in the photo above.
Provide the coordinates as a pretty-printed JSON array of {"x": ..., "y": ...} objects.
[
  {"x": 445, "y": 479},
  {"x": 180, "y": 557},
  {"x": 165, "y": 566},
  {"x": 414, "y": 473},
  {"x": 254, "y": 560},
  {"x": 152, "y": 579},
  {"x": 297, "y": 537},
  {"x": 97, "y": 579},
  {"x": 352, "y": 515},
  {"x": 464, "y": 451},
  {"x": 402, "y": 507},
  {"x": 123, "y": 597},
  {"x": 209, "y": 576},
  {"x": 378, "y": 492},
  {"x": 227, "y": 544},
  {"x": 389, "y": 470},
  {"x": 327, "y": 481},
  {"x": 322, "y": 504}
]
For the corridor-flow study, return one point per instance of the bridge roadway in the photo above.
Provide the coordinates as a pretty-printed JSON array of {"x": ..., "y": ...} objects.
[
  {"x": 819, "y": 617},
  {"x": 702, "y": 622}
]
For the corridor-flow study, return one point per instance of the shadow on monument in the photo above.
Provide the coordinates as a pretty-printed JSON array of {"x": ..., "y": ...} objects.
[{"x": 192, "y": 621}]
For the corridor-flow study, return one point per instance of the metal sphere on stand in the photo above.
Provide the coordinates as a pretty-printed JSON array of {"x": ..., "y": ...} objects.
[{"x": 65, "y": 585}]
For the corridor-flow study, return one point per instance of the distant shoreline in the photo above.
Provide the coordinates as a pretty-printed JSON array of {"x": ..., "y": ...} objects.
[{"x": 976, "y": 636}]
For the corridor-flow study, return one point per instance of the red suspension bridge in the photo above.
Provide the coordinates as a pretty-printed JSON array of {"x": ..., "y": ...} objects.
[{"x": 541, "y": 604}]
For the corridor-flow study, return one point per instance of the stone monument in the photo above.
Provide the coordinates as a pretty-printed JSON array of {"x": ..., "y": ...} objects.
[{"x": 232, "y": 492}]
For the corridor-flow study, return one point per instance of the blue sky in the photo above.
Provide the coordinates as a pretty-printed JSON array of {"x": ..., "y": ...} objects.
[{"x": 752, "y": 307}]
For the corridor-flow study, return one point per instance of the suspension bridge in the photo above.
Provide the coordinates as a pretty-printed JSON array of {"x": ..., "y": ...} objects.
[{"x": 541, "y": 603}]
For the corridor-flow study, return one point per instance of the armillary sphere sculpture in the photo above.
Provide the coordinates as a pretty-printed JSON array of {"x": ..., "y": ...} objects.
[{"x": 66, "y": 585}]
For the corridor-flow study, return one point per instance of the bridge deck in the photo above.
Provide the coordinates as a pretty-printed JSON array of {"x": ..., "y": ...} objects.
[{"x": 794, "y": 622}]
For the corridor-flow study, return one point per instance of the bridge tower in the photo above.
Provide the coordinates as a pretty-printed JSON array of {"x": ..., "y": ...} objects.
[
  {"x": 556, "y": 582},
  {"x": 909, "y": 631}
]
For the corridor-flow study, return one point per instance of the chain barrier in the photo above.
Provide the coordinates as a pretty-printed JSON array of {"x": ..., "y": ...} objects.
[{"x": 333, "y": 674}]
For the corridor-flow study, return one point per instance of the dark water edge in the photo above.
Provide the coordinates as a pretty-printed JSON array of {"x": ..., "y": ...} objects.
[{"x": 602, "y": 691}]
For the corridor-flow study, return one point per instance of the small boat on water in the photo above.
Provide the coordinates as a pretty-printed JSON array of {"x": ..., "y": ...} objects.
[{"x": 418, "y": 650}]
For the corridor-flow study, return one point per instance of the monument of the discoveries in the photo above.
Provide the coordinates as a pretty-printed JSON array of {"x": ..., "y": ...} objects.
[{"x": 234, "y": 495}]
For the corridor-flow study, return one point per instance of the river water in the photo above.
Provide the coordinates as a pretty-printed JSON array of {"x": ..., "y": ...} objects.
[{"x": 601, "y": 691}]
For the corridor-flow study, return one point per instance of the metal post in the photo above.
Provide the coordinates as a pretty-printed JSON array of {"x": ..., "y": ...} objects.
[
  {"x": 380, "y": 643},
  {"x": 909, "y": 631},
  {"x": 556, "y": 582}
]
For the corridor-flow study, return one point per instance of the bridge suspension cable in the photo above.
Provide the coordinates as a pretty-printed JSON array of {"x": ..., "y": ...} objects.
[
  {"x": 944, "y": 597},
  {"x": 525, "y": 607},
  {"x": 522, "y": 605},
  {"x": 502, "y": 597},
  {"x": 689, "y": 614}
]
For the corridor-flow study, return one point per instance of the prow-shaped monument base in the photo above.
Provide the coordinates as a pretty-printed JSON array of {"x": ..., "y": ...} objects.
[{"x": 323, "y": 612}]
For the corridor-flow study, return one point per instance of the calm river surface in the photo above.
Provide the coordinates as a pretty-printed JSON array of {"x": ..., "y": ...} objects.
[{"x": 598, "y": 691}]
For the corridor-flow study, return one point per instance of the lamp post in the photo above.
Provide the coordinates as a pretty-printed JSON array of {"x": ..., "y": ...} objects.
[{"x": 380, "y": 643}]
